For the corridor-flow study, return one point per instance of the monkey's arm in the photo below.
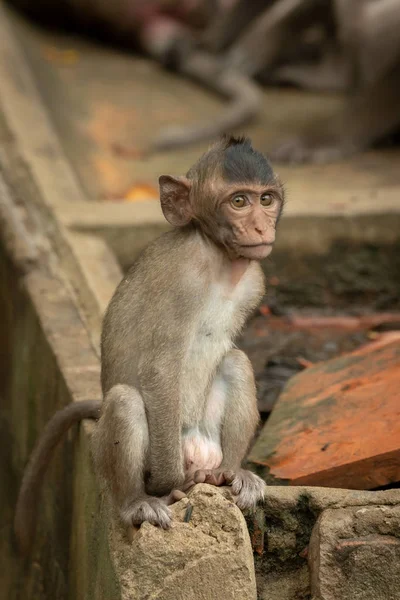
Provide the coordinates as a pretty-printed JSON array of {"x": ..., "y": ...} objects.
[
  {"x": 242, "y": 93},
  {"x": 25, "y": 512}
]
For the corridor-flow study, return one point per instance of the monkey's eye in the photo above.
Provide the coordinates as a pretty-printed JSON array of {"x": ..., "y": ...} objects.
[
  {"x": 238, "y": 201},
  {"x": 267, "y": 199}
]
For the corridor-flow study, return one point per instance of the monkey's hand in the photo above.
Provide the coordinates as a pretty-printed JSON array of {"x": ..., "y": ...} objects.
[
  {"x": 216, "y": 477},
  {"x": 247, "y": 488}
]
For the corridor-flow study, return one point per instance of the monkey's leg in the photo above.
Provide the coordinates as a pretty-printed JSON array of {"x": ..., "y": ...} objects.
[
  {"x": 236, "y": 399},
  {"x": 120, "y": 447}
]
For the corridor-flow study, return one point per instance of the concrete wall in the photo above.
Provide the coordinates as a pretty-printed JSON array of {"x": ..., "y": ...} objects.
[{"x": 47, "y": 361}]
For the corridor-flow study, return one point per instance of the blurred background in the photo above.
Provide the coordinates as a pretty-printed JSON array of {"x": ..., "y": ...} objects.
[{"x": 138, "y": 88}]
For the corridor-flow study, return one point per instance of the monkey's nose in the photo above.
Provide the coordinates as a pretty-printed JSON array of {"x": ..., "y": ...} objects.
[{"x": 267, "y": 236}]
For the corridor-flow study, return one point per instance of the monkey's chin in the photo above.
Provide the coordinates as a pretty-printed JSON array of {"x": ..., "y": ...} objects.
[{"x": 257, "y": 252}]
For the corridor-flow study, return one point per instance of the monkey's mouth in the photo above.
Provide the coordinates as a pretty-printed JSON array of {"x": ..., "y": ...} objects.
[
  {"x": 255, "y": 251},
  {"x": 262, "y": 245}
]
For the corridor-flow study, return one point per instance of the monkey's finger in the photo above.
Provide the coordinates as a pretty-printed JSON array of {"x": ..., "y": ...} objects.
[
  {"x": 235, "y": 498},
  {"x": 187, "y": 485},
  {"x": 201, "y": 476},
  {"x": 221, "y": 479},
  {"x": 211, "y": 479},
  {"x": 176, "y": 495},
  {"x": 229, "y": 476},
  {"x": 215, "y": 479}
]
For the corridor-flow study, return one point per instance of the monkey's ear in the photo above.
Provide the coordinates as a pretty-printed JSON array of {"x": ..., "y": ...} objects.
[{"x": 174, "y": 197}]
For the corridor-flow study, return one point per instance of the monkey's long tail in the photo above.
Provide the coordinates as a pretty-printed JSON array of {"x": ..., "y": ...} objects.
[
  {"x": 27, "y": 503},
  {"x": 243, "y": 94},
  {"x": 172, "y": 44}
]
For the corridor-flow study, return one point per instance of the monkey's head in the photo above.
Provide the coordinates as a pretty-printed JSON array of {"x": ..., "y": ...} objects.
[{"x": 231, "y": 194}]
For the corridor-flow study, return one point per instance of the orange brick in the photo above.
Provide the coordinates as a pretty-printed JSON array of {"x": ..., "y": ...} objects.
[{"x": 337, "y": 423}]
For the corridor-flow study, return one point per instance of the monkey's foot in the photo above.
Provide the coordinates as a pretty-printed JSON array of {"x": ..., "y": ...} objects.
[
  {"x": 151, "y": 509},
  {"x": 300, "y": 150},
  {"x": 248, "y": 488}
]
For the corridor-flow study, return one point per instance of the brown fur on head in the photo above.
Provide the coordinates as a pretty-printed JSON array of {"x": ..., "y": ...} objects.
[{"x": 232, "y": 194}]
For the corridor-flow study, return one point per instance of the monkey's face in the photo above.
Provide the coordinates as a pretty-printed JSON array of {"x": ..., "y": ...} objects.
[
  {"x": 247, "y": 217},
  {"x": 232, "y": 195}
]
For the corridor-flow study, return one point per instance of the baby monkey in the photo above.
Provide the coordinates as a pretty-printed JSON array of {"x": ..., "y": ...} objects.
[{"x": 179, "y": 398}]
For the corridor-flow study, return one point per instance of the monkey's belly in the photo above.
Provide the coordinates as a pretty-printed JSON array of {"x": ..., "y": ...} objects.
[{"x": 200, "y": 452}]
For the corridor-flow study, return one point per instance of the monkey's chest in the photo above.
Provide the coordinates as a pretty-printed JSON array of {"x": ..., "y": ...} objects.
[
  {"x": 225, "y": 311},
  {"x": 217, "y": 324},
  {"x": 216, "y": 327}
]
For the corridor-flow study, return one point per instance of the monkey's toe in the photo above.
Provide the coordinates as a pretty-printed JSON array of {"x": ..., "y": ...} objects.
[
  {"x": 211, "y": 476},
  {"x": 174, "y": 496},
  {"x": 152, "y": 510},
  {"x": 248, "y": 488}
]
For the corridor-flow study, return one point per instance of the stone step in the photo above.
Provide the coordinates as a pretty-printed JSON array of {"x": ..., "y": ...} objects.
[{"x": 354, "y": 552}]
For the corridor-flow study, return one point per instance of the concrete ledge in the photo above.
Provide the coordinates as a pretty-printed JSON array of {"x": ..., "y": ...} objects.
[
  {"x": 355, "y": 553},
  {"x": 281, "y": 532},
  {"x": 47, "y": 361}
]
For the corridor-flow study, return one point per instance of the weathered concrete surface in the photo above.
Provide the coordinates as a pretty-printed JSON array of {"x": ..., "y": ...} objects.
[
  {"x": 319, "y": 432},
  {"x": 354, "y": 554},
  {"x": 209, "y": 557},
  {"x": 46, "y": 361},
  {"x": 282, "y": 528}
]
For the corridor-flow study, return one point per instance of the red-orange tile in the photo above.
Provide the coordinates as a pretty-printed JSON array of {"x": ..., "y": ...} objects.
[{"x": 337, "y": 423}]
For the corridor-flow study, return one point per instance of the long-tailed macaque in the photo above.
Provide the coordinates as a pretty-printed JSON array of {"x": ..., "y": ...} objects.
[{"x": 179, "y": 398}]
